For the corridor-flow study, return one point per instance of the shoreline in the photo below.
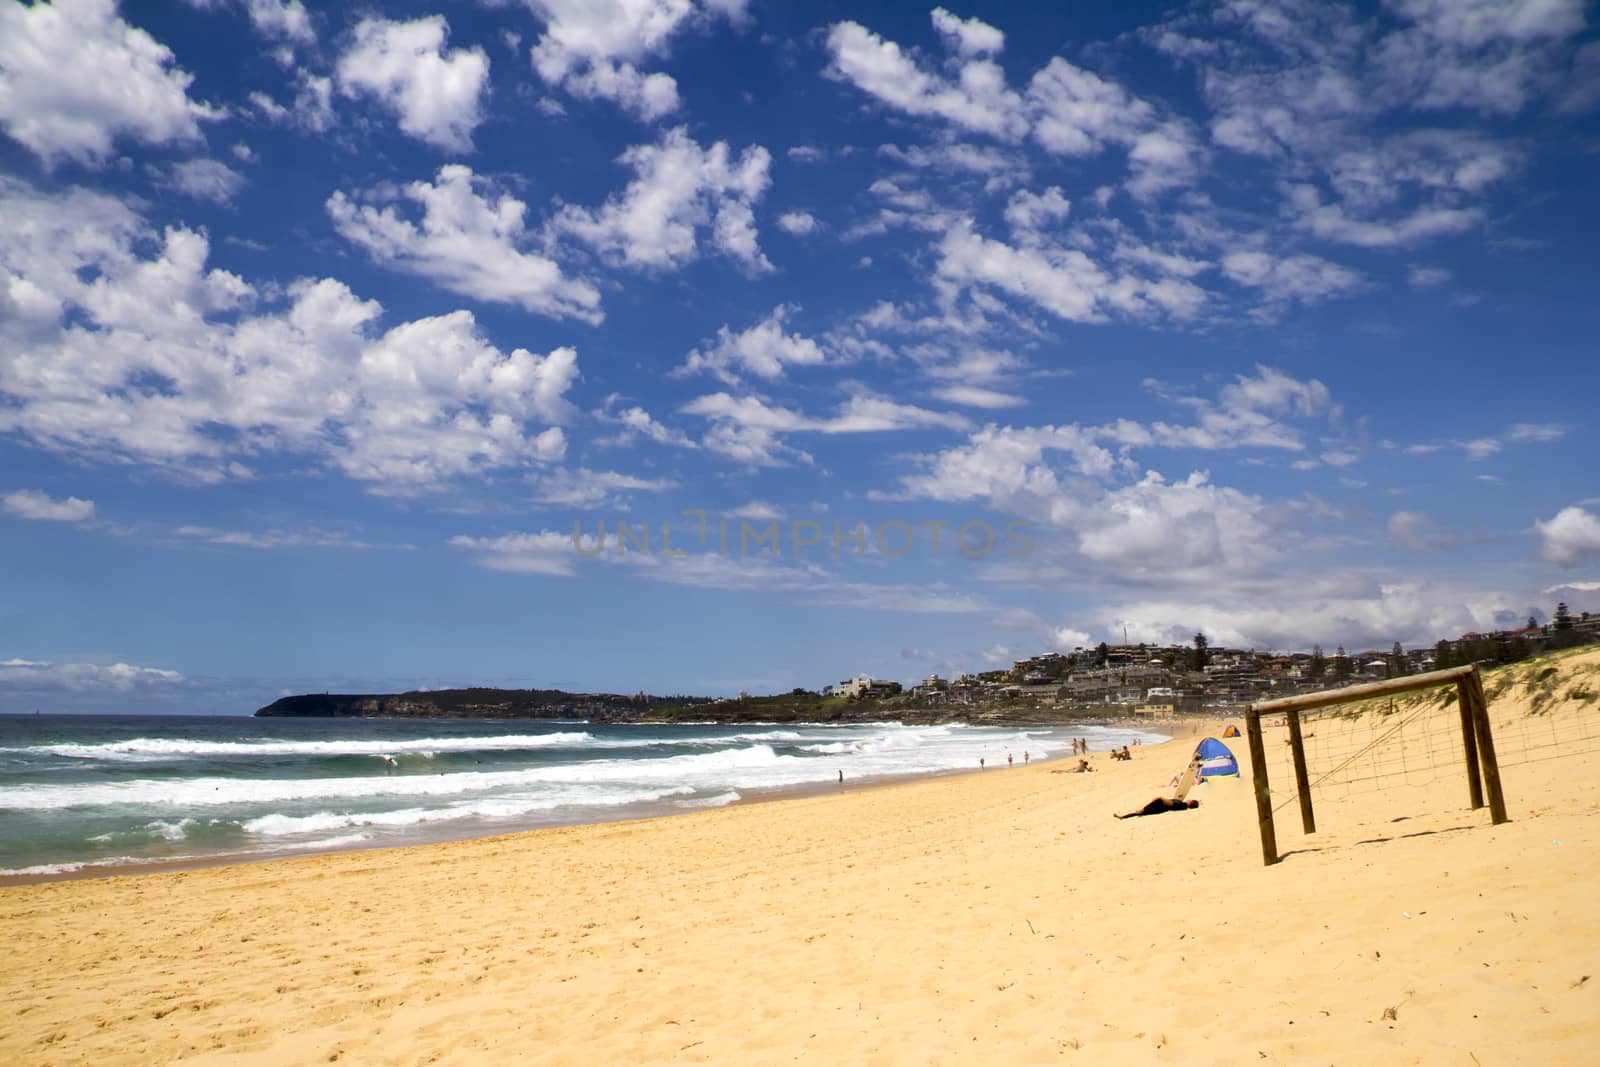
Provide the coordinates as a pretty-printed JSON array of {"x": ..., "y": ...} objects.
[{"x": 630, "y": 813}]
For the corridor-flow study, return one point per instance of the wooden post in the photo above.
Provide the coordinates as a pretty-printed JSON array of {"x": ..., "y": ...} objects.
[
  {"x": 1258, "y": 772},
  {"x": 1302, "y": 780},
  {"x": 1469, "y": 739},
  {"x": 1491, "y": 766}
]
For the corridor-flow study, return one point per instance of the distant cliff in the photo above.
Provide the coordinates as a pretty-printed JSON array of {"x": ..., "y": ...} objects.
[
  {"x": 798, "y": 706},
  {"x": 473, "y": 704}
]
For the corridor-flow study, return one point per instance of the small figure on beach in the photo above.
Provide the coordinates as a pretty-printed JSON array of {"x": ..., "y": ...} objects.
[
  {"x": 1082, "y": 767},
  {"x": 1025, "y": 758},
  {"x": 1160, "y": 805},
  {"x": 1011, "y": 761},
  {"x": 980, "y": 763},
  {"x": 841, "y": 778}
]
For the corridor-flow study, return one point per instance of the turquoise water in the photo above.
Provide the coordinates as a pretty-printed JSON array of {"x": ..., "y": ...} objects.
[{"x": 113, "y": 793}]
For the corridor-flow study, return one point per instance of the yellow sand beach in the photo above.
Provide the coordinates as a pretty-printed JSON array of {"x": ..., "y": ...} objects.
[{"x": 1000, "y": 916}]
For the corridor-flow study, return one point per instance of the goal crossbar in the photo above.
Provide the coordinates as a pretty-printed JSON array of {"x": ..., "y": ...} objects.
[{"x": 1476, "y": 737}]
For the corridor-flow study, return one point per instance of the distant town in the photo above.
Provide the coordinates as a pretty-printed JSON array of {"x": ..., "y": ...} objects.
[{"x": 1152, "y": 680}]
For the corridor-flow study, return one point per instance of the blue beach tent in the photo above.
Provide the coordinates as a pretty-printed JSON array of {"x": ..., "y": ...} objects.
[{"x": 1216, "y": 761}]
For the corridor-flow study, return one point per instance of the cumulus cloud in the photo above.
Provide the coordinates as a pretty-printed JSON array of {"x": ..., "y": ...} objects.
[
  {"x": 38, "y": 676},
  {"x": 312, "y": 107},
  {"x": 467, "y": 241},
  {"x": 680, "y": 191},
  {"x": 1063, "y": 280},
  {"x": 1353, "y": 612},
  {"x": 33, "y": 504},
  {"x": 593, "y": 49},
  {"x": 283, "y": 20},
  {"x": 976, "y": 99},
  {"x": 122, "y": 344},
  {"x": 763, "y": 350},
  {"x": 74, "y": 77},
  {"x": 1570, "y": 538},
  {"x": 798, "y": 223},
  {"x": 1284, "y": 279},
  {"x": 207, "y": 179},
  {"x": 1067, "y": 110},
  {"x": 1067, "y": 639},
  {"x": 435, "y": 93}
]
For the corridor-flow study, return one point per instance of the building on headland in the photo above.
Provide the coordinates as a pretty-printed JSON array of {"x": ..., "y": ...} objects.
[{"x": 864, "y": 686}]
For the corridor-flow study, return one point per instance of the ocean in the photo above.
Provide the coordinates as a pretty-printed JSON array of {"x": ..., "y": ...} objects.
[{"x": 111, "y": 794}]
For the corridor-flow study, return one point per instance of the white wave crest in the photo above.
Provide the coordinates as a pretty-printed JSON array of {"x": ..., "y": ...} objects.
[{"x": 145, "y": 749}]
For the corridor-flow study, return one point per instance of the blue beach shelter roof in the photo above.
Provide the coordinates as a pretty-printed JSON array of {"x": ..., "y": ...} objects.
[{"x": 1216, "y": 759}]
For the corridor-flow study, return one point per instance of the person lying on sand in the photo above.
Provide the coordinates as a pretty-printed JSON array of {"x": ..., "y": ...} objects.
[
  {"x": 1159, "y": 806},
  {"x": 1083, "y": 765}
]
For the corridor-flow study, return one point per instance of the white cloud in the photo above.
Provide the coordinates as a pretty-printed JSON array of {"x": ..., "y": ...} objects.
[
  {"x": 757, "y": 510},
  {"x": 276, "y": 18},
  {"x": 207, "y": 179},
  {"x": 273, "y": 539},
  {"x": 1356, "y": 614},
  {"x": 436, "y": 94},
  {"x": 1271, "y": 390},
  {"x": 1570, "y": 538},
  {"x": 37, "y": 676},
  {"x": 680, "y": 190},
  {"x": 311, "y": 109},
  {"x": 1189, "y": 525},
  {"x": 465, "y": 242},
  {"x": 1304, "y": 278},
  {"x": 1066, "y": 639},
  {"x": 115, "y": 353},
  {"x": 763, "y": 350},
  {"x": 585, "y": 488},
  {"x": 976, "y": 396},
  {"x": 545, "y": 552},
  {"x": 1079, "y": 112},
  {"x": 591, "y": 48},
  {"x": 1332, "y": 223},
  {"x": 74, "y": 77},
  {"x": 747, "y": 428},
  {"x": 1027, "y": 212},
  {"x": 978, "y": 98},
  {"x": 968, "y": 37},
  {"x": 637, "y": 422},
  {"x": 1427, "y": 277},
  {"x": 285, "y": 20},
  {"x": 1065, "y": 281},
  {"x": 32, "y": 504},
  {"x": 1007, "y": 466},
  {"x": 798, "y": 223},
  {"x": 1482, "y": 54}
]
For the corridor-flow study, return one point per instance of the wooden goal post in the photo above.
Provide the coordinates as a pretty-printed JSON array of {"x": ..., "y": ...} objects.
[{"x": 1475, "y": 735}]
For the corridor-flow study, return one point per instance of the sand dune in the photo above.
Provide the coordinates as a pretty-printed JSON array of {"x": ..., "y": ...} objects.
[{"x": 1000, "y": 916}]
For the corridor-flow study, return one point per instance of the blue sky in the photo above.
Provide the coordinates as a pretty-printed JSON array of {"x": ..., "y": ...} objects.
[{"x": 323, "y": 327}]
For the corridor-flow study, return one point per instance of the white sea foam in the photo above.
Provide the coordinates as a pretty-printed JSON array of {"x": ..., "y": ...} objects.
[
  {"x": 886, "y": 752},
  {"x": 144, "y": 749}
]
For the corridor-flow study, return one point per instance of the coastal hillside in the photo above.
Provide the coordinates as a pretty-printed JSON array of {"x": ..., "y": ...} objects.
[
  {"x": 1552, "y": 685},
  {"x": 474, "y": 703}
]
